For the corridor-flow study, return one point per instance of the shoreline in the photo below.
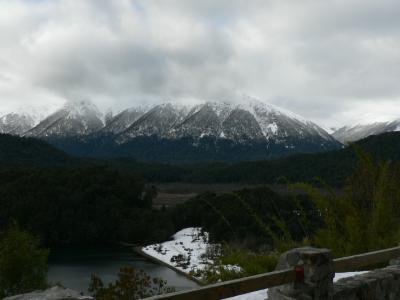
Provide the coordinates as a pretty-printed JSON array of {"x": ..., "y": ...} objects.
[{"x": 138, "y": 250}]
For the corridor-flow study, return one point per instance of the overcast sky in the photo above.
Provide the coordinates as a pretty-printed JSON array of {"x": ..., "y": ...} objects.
[{"x": 332, "y": 61}]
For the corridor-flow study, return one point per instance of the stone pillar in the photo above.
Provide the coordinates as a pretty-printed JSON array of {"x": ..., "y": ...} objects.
[{"x": 315, "y": 275}]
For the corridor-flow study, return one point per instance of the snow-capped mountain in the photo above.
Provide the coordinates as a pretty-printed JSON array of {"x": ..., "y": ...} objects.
[
  {"x": 75, "y": 118},
  {"x": 353, "y": 133},
  {"x": 120, "y": 122},
  {"x": 175, "y": 132},
  {"x": 248, "y": 121},
  {"x": 159, "y": 121},
  {"x": 23, "y": 119},
  {"x": 16, "y": 124}
]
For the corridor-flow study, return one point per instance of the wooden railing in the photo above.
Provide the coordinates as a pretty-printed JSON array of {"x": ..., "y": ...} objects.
[
  {"x": 258, "y": 282},
  {"x": 356, "y": 262}
]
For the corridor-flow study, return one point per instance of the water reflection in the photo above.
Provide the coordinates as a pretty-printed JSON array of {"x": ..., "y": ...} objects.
[{"x": 72, "y": 267}]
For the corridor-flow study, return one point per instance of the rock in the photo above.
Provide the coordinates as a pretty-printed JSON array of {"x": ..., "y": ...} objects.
[
  {"x": 318, "y": 274},
  {"x": 54, "y": 293}
]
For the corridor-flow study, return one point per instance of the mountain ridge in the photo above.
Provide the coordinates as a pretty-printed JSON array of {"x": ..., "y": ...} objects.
[
  {"x": 357, "y": 132},
  {"x": 174, "y": 131}
]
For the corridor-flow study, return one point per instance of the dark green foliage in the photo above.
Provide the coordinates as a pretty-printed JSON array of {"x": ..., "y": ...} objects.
[
  {"x": 187, "y": 150},
  {"x": 365, "y": 216},
  {"x": 16, "y": 151},
  {"x": 249, "y": 262},
  {"x": 81, "y": 205},
  {"x": 332, "y": 167},
  {"x": 23, "y": 265},
  {"x": 250, "y": 217},
  {"x": 131, "y": 284}
]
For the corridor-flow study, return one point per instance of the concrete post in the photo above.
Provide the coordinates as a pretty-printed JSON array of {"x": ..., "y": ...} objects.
[{"x": 315, "y": 275}]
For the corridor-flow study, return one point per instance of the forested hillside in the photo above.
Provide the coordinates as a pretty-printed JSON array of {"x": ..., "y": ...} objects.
[
  {"x": 332, "y": 167},
  {"x": 81, "y": 205},
  {"x": 29, "y": 152}
]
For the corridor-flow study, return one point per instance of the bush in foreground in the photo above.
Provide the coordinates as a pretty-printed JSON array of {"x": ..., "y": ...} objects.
[
  {"x": 131, "y": 284},
  {"x": 365, "y": 216},
  {"x": 23, "y": 265}
]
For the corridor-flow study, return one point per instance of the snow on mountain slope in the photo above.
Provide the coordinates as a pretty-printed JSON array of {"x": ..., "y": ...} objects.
[
  {"x": 23, "y": 119},
  {"x": 124, "y": 119},
  {"x": 360, "y": 131},
  {"x": 203, "y": 120},
  {"x": 158, "y": 121},
  {"x": 250, "y": 120},
  {"x": 16, "y": 124},
  {"x": 74, "y": 119},
  {"x": 279, "y": 123}
]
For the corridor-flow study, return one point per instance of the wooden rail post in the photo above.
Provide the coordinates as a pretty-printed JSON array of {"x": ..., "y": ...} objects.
[{"x": 314, "y": 278}]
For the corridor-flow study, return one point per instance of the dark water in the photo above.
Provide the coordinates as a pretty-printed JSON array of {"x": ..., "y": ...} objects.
[{"x": 73, "y": 266}]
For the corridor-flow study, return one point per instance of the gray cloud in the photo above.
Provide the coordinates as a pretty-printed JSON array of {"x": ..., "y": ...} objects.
[{"x": 332, "y": 61}]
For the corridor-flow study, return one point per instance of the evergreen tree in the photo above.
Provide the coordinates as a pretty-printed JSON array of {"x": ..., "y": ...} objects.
[{"x": 23, "y": 265}]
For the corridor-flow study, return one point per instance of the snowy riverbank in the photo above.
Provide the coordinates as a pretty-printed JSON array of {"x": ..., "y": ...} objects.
[{"x": 187, "y": 251}]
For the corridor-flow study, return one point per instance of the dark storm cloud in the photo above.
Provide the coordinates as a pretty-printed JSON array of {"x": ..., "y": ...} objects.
[{"x": 333, "y": 61}]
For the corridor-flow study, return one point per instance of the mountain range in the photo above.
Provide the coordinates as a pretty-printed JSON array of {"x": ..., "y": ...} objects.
[
  {"x": 174, "y": 132},
  {"x": 354, "y": 133}
]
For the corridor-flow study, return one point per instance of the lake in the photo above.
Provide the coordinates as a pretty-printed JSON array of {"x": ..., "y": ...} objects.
[{"x": 73, "y": 266}]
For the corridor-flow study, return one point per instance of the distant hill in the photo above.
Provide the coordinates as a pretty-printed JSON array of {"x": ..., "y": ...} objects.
[
  {"x": 18, "y": 151},
  {"x": 332, "y": 167},
  {"x": 354, "y": 133}
]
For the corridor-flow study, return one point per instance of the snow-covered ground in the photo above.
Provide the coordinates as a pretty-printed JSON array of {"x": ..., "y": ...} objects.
[
  {"x": 262, "y": 294},
  {"x": 187, "y": 251}
]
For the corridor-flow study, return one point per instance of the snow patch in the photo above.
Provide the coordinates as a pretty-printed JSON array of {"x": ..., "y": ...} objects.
[
  {"x": 273, "y": 128},
  {"x": 262, "y": 294},
  {"x": 186, "y": 251}
]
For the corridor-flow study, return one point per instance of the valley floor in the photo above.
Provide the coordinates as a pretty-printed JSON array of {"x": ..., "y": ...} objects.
[{"x": 172, "y": 194}]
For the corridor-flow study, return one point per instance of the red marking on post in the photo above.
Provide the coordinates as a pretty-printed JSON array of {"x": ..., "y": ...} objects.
[{"x": 299, "y": 271}]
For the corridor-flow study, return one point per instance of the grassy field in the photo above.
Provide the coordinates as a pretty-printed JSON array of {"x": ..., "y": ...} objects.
[{"x": 171, "y": 194}]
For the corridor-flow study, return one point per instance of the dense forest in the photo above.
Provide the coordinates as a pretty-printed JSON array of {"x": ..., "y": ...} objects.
[
  {"x": 16, "y": 151},
  {"x": 81, "y": 205},
  {"x": 187, "y": 149},
  {"x": 332, "y": 167},
  {"x": 249, "y": 217},
  {"x": 64, "y": 199},
  {"x": 49, "y": 199},
  {"x": 96, "y": 204}
]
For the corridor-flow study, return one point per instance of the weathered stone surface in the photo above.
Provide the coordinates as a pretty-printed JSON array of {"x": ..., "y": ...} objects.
[
  {"x": 54, "y": 293},
  {"x": 380, "y": 284},
  {"x": 318, "y": 275}
]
